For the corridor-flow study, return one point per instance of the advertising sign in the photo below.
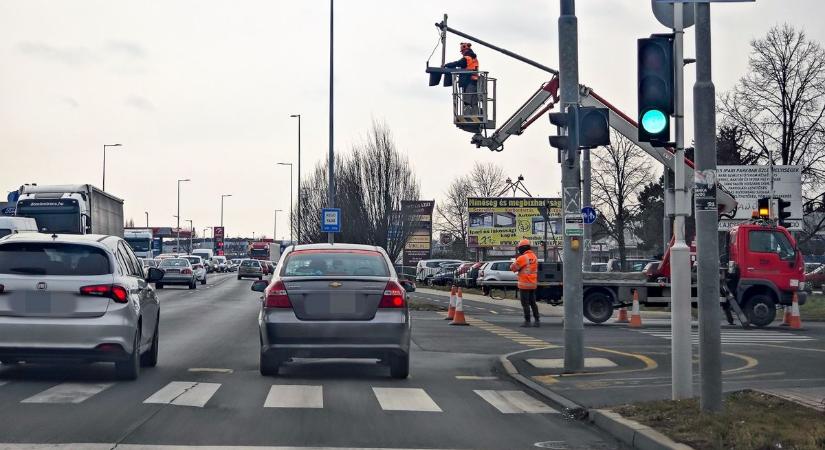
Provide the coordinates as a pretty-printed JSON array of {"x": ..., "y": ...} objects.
[
  {"x": 217, "y": 237},
  {"x": 418, "y": 219},
  {"x": 748, "y": 184},
  {"x": 505, "y": 221}
]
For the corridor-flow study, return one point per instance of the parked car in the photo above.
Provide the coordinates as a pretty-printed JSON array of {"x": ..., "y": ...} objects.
[
  {"x": 499, "y": 271},
  {"x": 598, "y": 267},
  {"x": 199, "y": 267},
  {"x": 334, "y": 301},
  {"x": 177, "y": 271},
  {"x": 426, "y": 268},
  {"x": 445, "y": 276},
  {"x": 816, "y": 278},
  {"x": 77, "y": 297},
  {"x": 633, "y": 265},
  {"x": 251, "y": 268}
]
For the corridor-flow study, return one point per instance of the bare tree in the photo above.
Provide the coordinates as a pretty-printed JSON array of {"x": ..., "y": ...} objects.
[
  {"x": 486, "y": 179},
  {"x": 620, "y": 173}
]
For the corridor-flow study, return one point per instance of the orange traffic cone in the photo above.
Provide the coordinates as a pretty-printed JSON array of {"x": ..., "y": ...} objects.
[
  {"x": 451, "y": 309},
  {"x": 635, "y": 315},
  {"x": 459, "y": 310},
  {"x": 622, "y": 315},
  {"x": 786, "y": 320},
  {"x": 796, "y": 321}
]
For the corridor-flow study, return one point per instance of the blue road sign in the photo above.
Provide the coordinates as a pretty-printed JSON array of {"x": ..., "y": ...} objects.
[
  {"x": 13, "y": 197},
  {"x": 331, "y": 220},
  {"x": 589, "y": 214}
]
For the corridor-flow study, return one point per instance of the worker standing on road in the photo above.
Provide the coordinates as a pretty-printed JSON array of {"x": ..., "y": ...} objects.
[
  {"x": 527, "y": 268},
  {"x": 467, "y": 81}
]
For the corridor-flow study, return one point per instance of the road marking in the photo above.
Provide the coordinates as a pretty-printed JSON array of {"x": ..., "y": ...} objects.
[
  {"x": 740, "y": 337},
  {"x": 184, "y": 393},
  {"x": 68, "y": 393},
  {"x": 210, "y": 369},
  {"x": 474, "y": 377},
  {"x": 294, "y": 396},
  {"x": 514, "y": 402},
  {"x": 405, "y": 399},
  {"x": 493, "y": 311},
  {"x": 558, "y": 363}
]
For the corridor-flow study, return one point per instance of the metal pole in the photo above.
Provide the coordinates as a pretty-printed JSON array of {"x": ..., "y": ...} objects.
[
  {"x": 707, "y": 249},
  {"x": 681, "y": 346},
  {"x": 191, "y": 234},
  {"x": 571, "y": 192},
  {"x": 275, "y": 227},
  {"x": 147, "y": 218},
  {"x": 104, "y": 168},
  {"x": 291, "y": 210},
  {"x": 586, "y": 201},
  {"x": 222, "y": 197},
  {"x": 299, "y": 179},
  {"x": 177, "y": 244},
  {"x": 331, "y": 187},
  {"x": 444, "y": 42},
  {"x": 668, "y": 200}
]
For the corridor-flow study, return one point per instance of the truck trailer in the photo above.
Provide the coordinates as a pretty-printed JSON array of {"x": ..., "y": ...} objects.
[{"x": 71, "y": 209}]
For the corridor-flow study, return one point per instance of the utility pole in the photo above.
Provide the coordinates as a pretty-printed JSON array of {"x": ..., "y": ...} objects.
[
  {"x": 667, "y": 202},
  {"x": 331, "y": 188},
  {"x": 707, "y": 220},
  {"x": 681, "y": 345},
  {"x": 571, "y": 192},
  {"x": 223, "y": 196},
  {"x": 298, "y": 233}
]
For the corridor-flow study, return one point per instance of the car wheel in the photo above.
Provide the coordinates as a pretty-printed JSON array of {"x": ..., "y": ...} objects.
[
  {"x": 400, "y": 366},
  {"x": 260, "y": 278},
  {"x": 158, "y": 286},
  {"x": 239, "y": 277},
  {"x": 150, "y": 358},
  {"x": 193, "y": 285},
  {"x": 268, "y": 366},
  {"x": 598, "y": 307},
  {"x": 761, "y": 310},
  {"x": 129, "y": 369}
]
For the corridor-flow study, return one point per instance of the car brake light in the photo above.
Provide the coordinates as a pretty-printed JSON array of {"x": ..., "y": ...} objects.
[
  {"x": 117, "y": 293},
  {"x": 277, "y": 296},
  {"x": 393, "y": 296},
  {"x": 186, "y": 271}
]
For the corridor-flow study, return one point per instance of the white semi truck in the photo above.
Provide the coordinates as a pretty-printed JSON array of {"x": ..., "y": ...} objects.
[
  {"x": 71, "y": 209},
  {"x": 140, "y": 239}
]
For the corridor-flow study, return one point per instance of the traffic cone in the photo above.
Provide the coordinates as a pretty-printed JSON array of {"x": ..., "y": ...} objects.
[
  {"x": 796, "y": 321},
  {"x": 459, "y": 310},
  {"x": 786, "y": 320},
  {"x": 451, "y": 309},
  {"x": 622, "y": 315},
  {"x": 635, "y": 315}
]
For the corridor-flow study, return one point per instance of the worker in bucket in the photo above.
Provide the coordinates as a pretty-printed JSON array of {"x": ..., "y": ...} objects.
[
  {"x": 467, "y": 81},
  {"x": 527, "y": 268}
]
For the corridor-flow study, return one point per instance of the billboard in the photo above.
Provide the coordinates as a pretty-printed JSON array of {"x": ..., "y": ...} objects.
[
  {"x": 748, "y": 184},
  {"x": 497, "y": 222},
  {"x": 418, "y": 219}
]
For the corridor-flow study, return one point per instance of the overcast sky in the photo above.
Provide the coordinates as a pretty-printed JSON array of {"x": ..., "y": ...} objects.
[{"x": 203, "y": 89}]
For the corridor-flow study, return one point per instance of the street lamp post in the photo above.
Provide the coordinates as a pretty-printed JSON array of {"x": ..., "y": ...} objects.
[
  {"x": 331, "y": 169},
  {"x": 206, "y": 230},
  {"x": 178, "y": 216},
  {"x": 298, "y": 233},
  {"x": 223, "y": 196},
  {"x": 147, "y": 218},
  {"x": 291, "y": 226},
  {"x": 275, "y": 229},
  {"x": 104, "y": 162}
]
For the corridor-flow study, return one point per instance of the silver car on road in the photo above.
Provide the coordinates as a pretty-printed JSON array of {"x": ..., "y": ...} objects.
[
  {"x": 77, "y": 297},
  {"x": 334, "y": 301},
  {"x": 177, "y": 271}
]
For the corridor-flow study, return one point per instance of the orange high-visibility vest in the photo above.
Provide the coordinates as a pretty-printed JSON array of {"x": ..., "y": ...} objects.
[
  {"x": 472, "y": 64},
  {"x": 527, "y": 266}
]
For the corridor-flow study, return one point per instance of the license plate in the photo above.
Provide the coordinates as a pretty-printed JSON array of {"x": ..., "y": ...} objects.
[{"x": 38, "y": 302}]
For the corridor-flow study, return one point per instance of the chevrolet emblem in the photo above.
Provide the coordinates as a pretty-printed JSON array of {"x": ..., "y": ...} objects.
[{"x": 335, "y": 284}]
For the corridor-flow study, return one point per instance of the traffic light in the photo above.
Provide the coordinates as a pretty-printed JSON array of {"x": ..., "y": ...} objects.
[
  {"x": 764, "y": 207},
  {"x": 781, "y": 213},
  {"x": 655, "y": 88},
  {"x": 587, "y": 127},
  {"x": 567, "y": 120}
]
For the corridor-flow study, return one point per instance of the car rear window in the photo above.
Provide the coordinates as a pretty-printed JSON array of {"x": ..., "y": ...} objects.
[
  {"x": 194, "y": 259},
  {"x": 53, "y": 258},
  {"x": 249, "y": 263},
  {"x": 4, "y": 232},
  {"x": 178, "y": 262},
  {"x": 333, "y": 263}
]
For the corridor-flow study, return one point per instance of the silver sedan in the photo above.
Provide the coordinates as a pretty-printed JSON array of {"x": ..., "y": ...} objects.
[{"x": 334, "y": 301}]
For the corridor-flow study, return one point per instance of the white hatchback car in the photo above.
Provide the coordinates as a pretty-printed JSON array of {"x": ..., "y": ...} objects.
[
  {"x": 77, "y": 297},
  {"x": 198, "y": 266}
]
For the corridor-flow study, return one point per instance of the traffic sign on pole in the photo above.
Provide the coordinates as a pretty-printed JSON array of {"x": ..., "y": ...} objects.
[
  {"x": 331, "y": 220},
  {"x": 589, "y": 215}
]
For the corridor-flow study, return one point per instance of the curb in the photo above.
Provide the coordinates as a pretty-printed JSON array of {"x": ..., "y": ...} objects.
[{"x": 629, "y": 432}]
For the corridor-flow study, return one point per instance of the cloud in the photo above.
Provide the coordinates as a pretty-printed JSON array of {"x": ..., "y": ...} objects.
[
  {"x": 126, "y": 48},
  {"x": 140, "y": 103},
  {"x": 69, "y": 101},
  {"x": 71, "y": 56}
]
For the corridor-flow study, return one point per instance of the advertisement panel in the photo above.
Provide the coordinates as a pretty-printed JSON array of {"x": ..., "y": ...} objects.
[
  {"x": 748, "y": 184},
  {"x": 418, "y": 219},
  {"x": 505, "y": 221},
  {"x": 217, "y": 237}
]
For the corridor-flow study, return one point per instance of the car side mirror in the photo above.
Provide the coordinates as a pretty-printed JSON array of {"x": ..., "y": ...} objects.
[
  {"x": 260, "y": 285},
  {"x": 154, "y": 275}
]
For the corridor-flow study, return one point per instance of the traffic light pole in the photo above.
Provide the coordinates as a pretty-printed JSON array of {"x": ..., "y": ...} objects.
[
  {"x": 681, "y": 346},
  {"x": 571, "y": 192},
  {"x": 586, "y": 201}
]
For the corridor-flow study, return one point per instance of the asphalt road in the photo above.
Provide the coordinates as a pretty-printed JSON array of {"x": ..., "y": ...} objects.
[{"x": 207, "y": 390}]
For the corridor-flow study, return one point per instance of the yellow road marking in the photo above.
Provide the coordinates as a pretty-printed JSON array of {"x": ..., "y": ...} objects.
[
  {"x": 749, "y": 362},
  {"x": 546, "y": 379}
]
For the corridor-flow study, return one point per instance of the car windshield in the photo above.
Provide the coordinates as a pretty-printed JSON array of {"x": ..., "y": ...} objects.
[
  {"x": 335, "y": 263},
  {"x": 175, "y": 262},
  {"x": 53, "y": 258}
]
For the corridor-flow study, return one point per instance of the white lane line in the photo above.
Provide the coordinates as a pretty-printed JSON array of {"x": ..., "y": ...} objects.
[
  {"x": 493, "y": 311},
  {"x": 210, "y": 369},
  {"x": 514, "y": 402},
  {"x": 184, "y": 393},
  {"x": 294, "y": 396},
  {"x": 474, "y": 377},
  {"x": 68, "y": 393},
  {"x": 405, "y": 399}
]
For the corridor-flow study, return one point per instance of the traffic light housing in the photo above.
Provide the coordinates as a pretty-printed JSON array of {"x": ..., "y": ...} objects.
[
  {"x": 655, "y": 88},
  {"x": 587, "y": 127},
  {"x": 567, "y": 120},
  {"x": 781, "y": 213},
  {"x": 763, "y": 207}
]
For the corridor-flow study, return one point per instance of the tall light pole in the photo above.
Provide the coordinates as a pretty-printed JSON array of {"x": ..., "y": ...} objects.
[
  {"x": 104, "y": 161},
  {"x": 191, "y": 235},
  {"x": 147, "y": 218},
  {"x": 223, "y": 196},
  {"x": 331, "y": 172},
  {"x": 298, "y": 234},
  {"x": 275, "y": 229},
  {"x": 290, "y": 197},
  {"x": 178, "y": 216},
  {"x": 206, "y": 230}
]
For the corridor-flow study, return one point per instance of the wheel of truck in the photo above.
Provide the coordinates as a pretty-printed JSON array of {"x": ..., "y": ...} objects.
[
  {"x": 761, "y": 310},
  {"x": 598, "y": 306}
]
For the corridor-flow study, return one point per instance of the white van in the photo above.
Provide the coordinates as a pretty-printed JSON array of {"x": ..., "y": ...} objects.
[{"x": 13, "y": 225}]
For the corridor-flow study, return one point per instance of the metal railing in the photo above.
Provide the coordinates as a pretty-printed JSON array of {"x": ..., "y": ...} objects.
[{"x": 474, "y": 108}]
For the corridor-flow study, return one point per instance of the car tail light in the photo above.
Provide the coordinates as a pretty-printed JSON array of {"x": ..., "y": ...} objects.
[
  {"x": 277, "y": 296},
  {"x": 393, "y": 296},
  {"x": 117, "y": 293},
  {"x": 186, "y": 271}
]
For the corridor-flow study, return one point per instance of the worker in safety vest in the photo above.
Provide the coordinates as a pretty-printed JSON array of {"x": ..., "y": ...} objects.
[
  {"x": 527, "y": 268},
  {"x": 467, "y": 81}
]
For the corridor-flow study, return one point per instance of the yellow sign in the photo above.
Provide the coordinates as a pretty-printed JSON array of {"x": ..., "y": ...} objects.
[{"x": 505, "y": 221}]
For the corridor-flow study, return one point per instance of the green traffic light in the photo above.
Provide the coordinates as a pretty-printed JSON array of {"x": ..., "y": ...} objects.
[{"x": 654, "y": 121}]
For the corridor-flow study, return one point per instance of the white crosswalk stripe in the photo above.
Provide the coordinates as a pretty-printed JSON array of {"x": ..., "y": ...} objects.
[
  {"x": 515, "y": 402},
  {"x": 184, "y": 393},
  {"x": 741, "y": 337},
  {"x": 295, "y": 396},
  {"x": 68, "y": 393},
  {"x": 405, "y": 399}
]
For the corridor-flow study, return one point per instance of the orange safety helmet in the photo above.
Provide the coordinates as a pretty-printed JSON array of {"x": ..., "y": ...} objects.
[{"x": 524, "y": 243}]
